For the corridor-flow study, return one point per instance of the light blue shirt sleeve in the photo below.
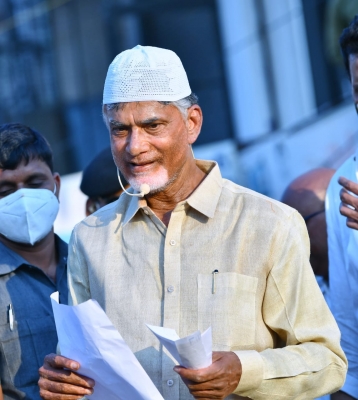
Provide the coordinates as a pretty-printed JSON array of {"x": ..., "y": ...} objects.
[{"x": 343, "y": 275}]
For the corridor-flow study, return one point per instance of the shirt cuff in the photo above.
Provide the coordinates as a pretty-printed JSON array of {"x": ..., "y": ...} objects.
[{"x": 252, "y": 370}]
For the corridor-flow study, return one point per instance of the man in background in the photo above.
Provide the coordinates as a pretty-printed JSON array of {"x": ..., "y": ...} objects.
[
  {"x": 343, "y": 236},
  {"x": 100, "y": 182},
  {"x": 32, "y": 259},
  {"x": 307, "y": 195}
]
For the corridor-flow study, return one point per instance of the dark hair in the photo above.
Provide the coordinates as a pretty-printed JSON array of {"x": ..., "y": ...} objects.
[
  {"x": 349, "y": 41},
  {"x": 19, "y": 143}
]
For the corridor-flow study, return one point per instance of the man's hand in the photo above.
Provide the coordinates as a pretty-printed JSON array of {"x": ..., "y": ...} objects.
[
  {"x": 58, "y": 383},
  {"x": 215, "y": 382},
  {"x": 347, "y": 200}
]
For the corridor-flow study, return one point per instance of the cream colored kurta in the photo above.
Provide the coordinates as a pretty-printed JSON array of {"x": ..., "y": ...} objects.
[{"x": 267, "y": 306}]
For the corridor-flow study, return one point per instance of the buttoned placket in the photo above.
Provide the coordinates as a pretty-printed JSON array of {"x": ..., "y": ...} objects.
[{"x": 171, "y": 318}]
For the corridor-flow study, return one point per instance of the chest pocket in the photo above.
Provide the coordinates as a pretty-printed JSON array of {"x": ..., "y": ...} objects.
[
  {"x": 25, "y": 347},
  {"x": 230, "y": 311}
]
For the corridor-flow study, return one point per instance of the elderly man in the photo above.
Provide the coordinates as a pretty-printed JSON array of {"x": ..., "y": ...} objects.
[
  {"x": 195, "y": 251},
  {"x": 343, "y": 236}
]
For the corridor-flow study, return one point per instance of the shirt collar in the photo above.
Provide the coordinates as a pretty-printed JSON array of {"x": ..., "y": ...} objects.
[
  {"x": 206, "y": 196},
  {"x": 134, "y": 204},
  {"x": 10, "y": 260},
  {"x": 204, "y": 199}
]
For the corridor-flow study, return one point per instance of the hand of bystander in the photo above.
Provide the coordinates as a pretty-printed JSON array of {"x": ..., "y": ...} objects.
[{"x": 349, "y": 199}]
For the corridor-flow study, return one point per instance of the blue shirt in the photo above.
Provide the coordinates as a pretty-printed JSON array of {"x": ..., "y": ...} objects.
[
  {"x": 343, "y": 273},
  {"x": 22, "y": 349}
]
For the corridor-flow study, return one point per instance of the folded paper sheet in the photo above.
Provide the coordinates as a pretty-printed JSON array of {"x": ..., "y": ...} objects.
[
  {"x": 86, "y": 335},
  {"x": 193, "y": 351}
]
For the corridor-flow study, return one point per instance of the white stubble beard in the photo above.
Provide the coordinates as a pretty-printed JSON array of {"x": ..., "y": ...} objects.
[{"x": 157, "y": 182}]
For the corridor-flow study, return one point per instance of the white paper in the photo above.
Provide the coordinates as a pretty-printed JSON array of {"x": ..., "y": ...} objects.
[
  {"x": 86, "y": 335},
  {"x": 193, "y": 351}
]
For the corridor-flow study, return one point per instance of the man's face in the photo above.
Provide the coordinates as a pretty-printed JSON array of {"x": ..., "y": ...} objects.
[
  {"x": 150, "y": 142},
  {"x": 35, "y": 175}
]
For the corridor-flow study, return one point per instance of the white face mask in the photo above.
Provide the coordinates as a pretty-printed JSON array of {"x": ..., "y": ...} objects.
[{"x": 27, "y": 215}]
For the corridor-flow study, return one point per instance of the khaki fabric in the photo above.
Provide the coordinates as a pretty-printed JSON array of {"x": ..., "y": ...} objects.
[{"x": 267, "y": 306}]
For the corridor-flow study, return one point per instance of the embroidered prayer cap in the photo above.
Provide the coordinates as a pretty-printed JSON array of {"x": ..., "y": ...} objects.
[{"x": 145, "y": 73}]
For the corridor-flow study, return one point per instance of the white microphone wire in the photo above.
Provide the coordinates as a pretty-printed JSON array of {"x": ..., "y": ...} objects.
[{"x": 144, "y": 188}]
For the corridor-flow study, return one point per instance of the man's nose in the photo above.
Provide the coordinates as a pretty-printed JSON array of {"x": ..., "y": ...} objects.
[{"x": 136, "y": 142}]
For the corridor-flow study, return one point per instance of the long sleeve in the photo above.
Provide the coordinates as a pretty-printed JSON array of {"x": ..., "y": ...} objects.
[
  {"x": 343, "y": 275},
  {"x": 308, "y": 361},
  {"x": 77, "y": 274}
]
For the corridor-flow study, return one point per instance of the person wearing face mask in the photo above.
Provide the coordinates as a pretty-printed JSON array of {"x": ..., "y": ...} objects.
[{"x": 33, "y": 260}]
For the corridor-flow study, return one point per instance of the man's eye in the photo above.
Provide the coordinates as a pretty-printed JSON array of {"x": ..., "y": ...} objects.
[
  {"x": 119, "y": 131},
  {"x": 35, "y": 184},
  {"x": 153, "y": 126}
]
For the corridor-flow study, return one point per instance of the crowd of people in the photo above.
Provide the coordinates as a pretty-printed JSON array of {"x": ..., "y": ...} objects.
[{"x": 163, "y": 230}]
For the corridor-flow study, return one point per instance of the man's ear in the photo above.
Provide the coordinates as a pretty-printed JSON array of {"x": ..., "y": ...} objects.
[
  {"x": 57, "y": 179},
  {"x": 194, "y": 122}
]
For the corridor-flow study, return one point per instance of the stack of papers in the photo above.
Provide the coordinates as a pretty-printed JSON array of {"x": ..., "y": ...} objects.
[
  {"x": 86, "y": 335},
  {"x": 193, "y": 351}
]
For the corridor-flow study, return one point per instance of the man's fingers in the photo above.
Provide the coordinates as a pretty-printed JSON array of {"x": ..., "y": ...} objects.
[
  {"x": 203, "y": 391},
  {"x": 63, "y": 388},
  {"x": 65, "y": 376},
  {"x": 215, "y": 385},
  {"x": 348, "y": 198},
  {"x": 349, "y": 185},
  {"x": 59, "y": 362},
  {"x": 216, "y": 381},
  {"x": 196, "y": 376},
  {"x": 348, "y": 212},
  {"x": 352, "y": 223},
  {"x": 54, "y": 378},
  {"x": 46, "y": 395},
  {"x": 208, "y": 395}
]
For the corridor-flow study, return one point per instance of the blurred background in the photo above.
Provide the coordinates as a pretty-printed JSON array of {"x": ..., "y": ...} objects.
[{"x": 268, "y": 73}]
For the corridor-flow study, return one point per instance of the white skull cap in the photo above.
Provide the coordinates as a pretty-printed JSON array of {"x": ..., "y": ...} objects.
[{"x": 145, "y": 73}]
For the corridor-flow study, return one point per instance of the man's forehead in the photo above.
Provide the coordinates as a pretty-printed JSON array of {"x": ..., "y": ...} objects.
[
  {"x": 140, "y": 109},
  {"x": 34, "y": 166}
]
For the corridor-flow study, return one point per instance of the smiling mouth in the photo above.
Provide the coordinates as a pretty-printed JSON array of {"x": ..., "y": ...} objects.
[{"x": 141, "y": 167}]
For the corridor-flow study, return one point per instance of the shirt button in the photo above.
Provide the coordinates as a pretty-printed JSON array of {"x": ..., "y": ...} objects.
[
  {"x": 170, "y": 288},
  {"x": 170, "y": 382},
  {"x": 146, "y": 212},
  {"x": 172, "y": 242}
]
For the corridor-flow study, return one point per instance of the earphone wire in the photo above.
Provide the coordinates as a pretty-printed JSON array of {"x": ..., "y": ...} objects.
[{"x": 141, "y": 194}]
